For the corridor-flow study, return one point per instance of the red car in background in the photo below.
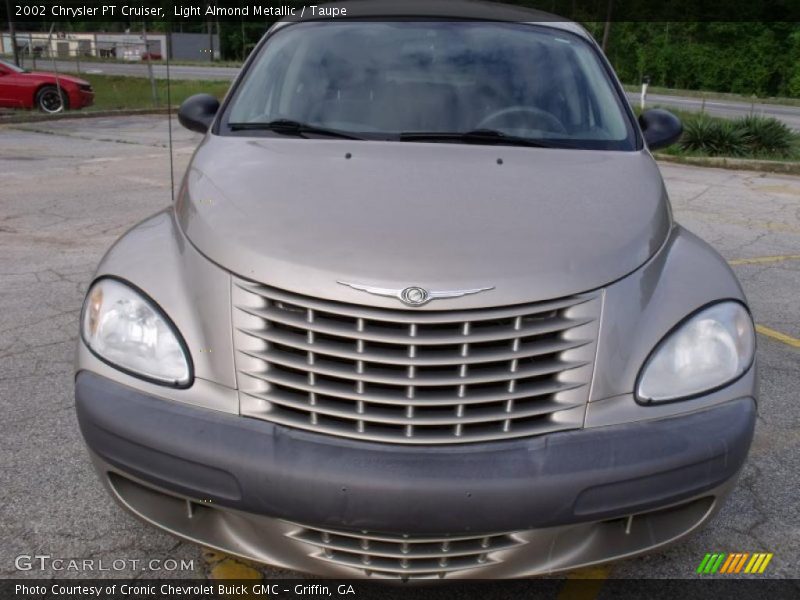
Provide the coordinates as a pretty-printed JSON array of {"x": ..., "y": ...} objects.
[{"x": 48, "y": 92}]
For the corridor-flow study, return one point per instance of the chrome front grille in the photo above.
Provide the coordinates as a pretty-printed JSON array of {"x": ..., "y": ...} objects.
[
  {"x": 404, "y": 556},
  {"x": 413, "y": 376}
]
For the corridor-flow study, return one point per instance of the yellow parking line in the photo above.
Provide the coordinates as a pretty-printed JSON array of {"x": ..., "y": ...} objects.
[
  {"x": 222, "y": 566},
  {"x": 763, "y": 329},
  {"x": 584, "y": 584},
  {"x": 760, "y": 260},
  {"x": 777, "y": 335}
]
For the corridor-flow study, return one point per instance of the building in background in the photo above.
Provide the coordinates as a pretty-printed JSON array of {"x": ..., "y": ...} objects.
[{"x": 122, "y": 46}]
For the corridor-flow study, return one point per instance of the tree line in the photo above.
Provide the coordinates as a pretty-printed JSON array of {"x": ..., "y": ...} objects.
[{"x": 739, "y": 57}]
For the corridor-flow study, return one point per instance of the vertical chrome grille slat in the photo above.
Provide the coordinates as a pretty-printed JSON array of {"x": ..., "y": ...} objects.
[
  {"x": 411, "y": 373},
  {"x": 462, "y": 389},
  {"x": 442, "y": 377},
  {"x": 310, "y": 334}
]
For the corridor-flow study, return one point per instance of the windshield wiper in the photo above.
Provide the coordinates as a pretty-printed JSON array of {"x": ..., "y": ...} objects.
[
  {"x": 289, "y": 127},
  {"x": 476, "y": 136}
]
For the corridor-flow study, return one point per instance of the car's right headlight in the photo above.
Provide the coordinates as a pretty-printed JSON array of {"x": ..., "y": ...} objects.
[
  {"x": 707, "y": 351},
  {"x": 126, "y": 329}
]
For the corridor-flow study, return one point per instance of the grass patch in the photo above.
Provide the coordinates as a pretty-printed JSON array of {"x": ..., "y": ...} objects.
[{"x": 119, "y": 92}]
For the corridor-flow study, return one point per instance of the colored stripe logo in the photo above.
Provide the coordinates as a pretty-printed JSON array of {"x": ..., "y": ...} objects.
[{"x": 733, "y": 563}]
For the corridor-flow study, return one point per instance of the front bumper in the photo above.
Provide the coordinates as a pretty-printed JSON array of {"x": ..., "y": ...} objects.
[
  {"x": 81, "y": 99},
  {"x": 255, "y": 476}
]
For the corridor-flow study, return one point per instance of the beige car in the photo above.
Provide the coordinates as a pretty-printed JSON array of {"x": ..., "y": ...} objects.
[{"x": 420, "y": 310}]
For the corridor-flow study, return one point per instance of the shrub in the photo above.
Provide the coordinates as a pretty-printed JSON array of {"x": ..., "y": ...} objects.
[
  {"x": 715, "y": 137},
  {"x": 766, "y": 135},
  {"x": 753, "y": 136}
]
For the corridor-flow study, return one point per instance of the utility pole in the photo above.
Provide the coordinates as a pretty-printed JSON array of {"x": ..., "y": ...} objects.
[
  {"x": 55, "y": 65},
  {"x": 153, "y": 87},
  {"x": 210, "y": 37},
  {"x": 219, "y": 35},
  {"x": 607, "y": 28},
  {"x": 12, "y": 33},
  {"x": 244, "y": 41}
]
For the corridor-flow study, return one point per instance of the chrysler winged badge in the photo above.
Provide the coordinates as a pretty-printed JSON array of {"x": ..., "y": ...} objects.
[{"x": 414, "y": 295}]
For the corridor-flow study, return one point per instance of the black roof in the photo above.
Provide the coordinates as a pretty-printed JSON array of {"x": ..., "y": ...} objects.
[{"x": 478, "y": 10}]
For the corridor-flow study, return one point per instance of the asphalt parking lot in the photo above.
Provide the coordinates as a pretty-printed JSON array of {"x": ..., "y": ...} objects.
[{"x": 69, "y": 188}]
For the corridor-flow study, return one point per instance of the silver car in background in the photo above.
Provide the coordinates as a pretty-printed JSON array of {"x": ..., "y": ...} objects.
[{"x": 420, "y": 310}]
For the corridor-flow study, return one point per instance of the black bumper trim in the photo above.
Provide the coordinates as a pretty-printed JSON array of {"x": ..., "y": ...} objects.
[{"x": 324, "y": 481}]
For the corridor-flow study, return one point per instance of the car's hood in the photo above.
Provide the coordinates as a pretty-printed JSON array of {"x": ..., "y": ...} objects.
[
  {"x": 302, "y": 214},
  {"x": 52, "y": 77}
]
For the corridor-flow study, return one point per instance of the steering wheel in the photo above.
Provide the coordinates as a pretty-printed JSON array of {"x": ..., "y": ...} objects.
[{"x": 522, "y": 115}]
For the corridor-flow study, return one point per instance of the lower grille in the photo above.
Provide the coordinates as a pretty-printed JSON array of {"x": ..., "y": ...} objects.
[
  {"x": 402, "y": 556},
  {"x": 413, "y": 376}
]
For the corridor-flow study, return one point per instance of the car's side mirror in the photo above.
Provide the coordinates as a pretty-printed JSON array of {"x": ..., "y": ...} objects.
[
  {"x": 197, "y": 112},
  {"x": 660, "y": 127}
]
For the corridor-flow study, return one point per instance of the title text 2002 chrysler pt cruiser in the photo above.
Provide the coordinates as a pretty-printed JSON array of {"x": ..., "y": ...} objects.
[{"x": 420, "y": 310}]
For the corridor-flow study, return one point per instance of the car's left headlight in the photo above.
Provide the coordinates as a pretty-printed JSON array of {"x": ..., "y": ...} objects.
[
  {"x": 126, "y": 329},
  {"x": 708, "y": 350}
]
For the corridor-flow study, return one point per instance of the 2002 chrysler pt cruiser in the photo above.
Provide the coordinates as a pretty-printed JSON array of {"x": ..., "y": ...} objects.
[{"x": 420, "y": 309}]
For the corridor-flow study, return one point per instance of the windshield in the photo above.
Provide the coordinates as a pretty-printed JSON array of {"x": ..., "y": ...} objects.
[
  {"x": 11, "y": 66},
  {"x": 386, "y": 80}
]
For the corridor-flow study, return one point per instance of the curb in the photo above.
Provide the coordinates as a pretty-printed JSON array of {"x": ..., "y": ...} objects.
[
  {"x": 736, "y": 164},
  {"x": 37, "y": 118}
]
